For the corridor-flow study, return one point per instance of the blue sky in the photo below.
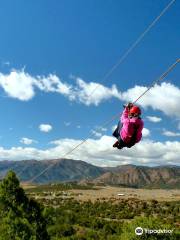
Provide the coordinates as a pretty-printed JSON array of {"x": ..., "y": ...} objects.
[{"x": 54, "y": 53}]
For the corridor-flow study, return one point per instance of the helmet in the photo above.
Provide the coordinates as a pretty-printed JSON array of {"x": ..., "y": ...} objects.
[{"x": 135, "y": 110}]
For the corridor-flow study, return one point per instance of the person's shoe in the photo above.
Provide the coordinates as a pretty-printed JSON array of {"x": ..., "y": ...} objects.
[
  {"x": 119, "y": 146},
  {"x": 116, "y": 144}
]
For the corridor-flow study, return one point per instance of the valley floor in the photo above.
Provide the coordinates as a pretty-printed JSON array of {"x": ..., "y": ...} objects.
[
  {"x": 77, "y": 212},
  {"x": 94, "y": 193},
  {"x": 125, "y": 193}
]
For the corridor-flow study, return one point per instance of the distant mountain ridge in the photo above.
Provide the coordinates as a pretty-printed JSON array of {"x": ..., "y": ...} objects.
[
  {"x": 61, "y": 170},
  {"x": 142, "y": 176},
  {"x": 64, "y": 170}
]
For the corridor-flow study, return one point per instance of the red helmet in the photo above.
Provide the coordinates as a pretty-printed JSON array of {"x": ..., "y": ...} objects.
[{"x": 135, "y": 110}]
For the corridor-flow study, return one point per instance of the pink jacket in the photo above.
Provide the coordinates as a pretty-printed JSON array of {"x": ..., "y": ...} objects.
[{"x": 129, "y": 124}]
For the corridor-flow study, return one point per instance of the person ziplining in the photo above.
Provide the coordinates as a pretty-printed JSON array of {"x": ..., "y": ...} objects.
[
  {"x": 108, "y": 74},
  {"x": 130, "y": 126},
  {"x": 131, "y": 111}
]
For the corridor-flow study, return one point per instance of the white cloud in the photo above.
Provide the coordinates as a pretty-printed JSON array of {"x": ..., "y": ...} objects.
[
  {"x": 96, "y": 133},
  {"x": 145, "y": 132},
  {"x": 100, "y": 152},
  {"x": 45, "y": 127},
  {"x": 103, "y": 129},
  {"x": 27, "y": 141},
  {"x": 164, "y": 97},
  {"x": 17, "y": 84},
  {"x": 93, "y": 93},
  {"x": 21, "y": 85},
  {"x": 52, "y": 83},
  {"x": 67, "y": 124},
  {"x": 154, "y": 119},
  {"x": 170, "y": 134}
]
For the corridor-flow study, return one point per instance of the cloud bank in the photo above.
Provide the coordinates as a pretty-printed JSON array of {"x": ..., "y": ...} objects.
[
  {"x": 27, "y": 141},
  {"x": 164, "y": 97},
  {"x": 100, "y": 152},
  {"x": 171, "y": 134},
  {"x": 146, "y": 132},
  {"x": 22, "y": 86},
  {"x": 154, "y": 119}
]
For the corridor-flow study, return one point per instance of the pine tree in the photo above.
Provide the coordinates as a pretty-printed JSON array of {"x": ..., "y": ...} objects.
[{"x": 20, "y": 218}]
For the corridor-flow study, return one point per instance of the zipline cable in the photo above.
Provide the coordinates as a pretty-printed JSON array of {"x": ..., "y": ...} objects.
[
  {"x": 159, "y": 79},
  {"x": 132, "y": 47},
  {"x": 124, "y": 56},
  {"x": 112, "y": 119}
]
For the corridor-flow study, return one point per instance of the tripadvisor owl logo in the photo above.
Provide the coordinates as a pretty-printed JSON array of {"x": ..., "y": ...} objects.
[{"x": 139, "y": 231}]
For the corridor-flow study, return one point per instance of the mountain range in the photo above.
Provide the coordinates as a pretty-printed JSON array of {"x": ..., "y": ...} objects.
[{"x": 64, "y": 170}]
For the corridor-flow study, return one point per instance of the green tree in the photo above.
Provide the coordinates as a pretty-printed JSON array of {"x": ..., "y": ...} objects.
[
  {"x": 148, "y": 223},
  {"x": 20, "y": 218},
  {"x": 62, "y": 230}
]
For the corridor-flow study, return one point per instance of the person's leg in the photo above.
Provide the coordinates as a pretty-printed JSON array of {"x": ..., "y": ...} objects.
[
  {"x": 117, "y": 130},
  {"x": 121, "y": 143},
  {"x": 116, "y": 144},
  {"x": 116, "y": 133}
]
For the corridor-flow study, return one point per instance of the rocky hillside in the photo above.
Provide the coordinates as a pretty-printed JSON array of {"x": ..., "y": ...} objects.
[
  {"x": 62, "y": 170},
  {"x": 140, "y": 176},
  {"x": 58, "y": 170}
]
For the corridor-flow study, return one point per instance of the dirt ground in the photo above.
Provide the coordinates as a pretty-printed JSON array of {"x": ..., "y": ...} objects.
[{"x": 112, "y": 192}]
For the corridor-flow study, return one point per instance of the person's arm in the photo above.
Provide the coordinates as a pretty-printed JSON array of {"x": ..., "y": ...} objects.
[{"x": 125, "y": 113}]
